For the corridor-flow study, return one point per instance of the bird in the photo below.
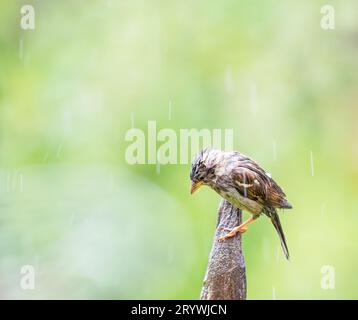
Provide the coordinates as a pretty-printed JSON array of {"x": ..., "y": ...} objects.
[{"x": 242, "y": 182}]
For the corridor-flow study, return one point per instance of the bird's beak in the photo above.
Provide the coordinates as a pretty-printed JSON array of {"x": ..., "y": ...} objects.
[{"x": 195, "y": 186}]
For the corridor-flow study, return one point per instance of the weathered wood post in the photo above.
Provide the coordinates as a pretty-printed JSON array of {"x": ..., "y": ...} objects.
[{"x": 225, "y": 277}]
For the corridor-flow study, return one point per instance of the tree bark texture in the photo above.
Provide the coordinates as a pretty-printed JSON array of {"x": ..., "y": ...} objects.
[{"x": 225, "y": 277}]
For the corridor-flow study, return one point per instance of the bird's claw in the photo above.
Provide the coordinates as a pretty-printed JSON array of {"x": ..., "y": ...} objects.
[
  {"x": 236, "y": 230},
  {"x": 232, "y": 233}
]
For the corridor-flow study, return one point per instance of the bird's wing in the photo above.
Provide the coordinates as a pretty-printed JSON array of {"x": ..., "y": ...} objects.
[{"x": 253, "y": 182}]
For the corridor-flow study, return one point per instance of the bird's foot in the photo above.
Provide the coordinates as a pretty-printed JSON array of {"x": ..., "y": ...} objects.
[
  {"x": 236, "y": 229},
  {"x": 233, "y": 232}
]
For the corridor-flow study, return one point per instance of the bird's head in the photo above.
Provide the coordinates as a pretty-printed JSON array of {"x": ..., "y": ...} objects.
[{"x": 203, "y": 168}]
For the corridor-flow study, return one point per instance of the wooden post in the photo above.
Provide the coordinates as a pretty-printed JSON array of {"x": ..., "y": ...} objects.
[{"x": 225, "y": 277}]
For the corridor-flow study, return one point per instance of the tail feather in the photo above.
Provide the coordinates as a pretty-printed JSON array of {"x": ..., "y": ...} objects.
[
  {"x": 277, "y": 224},
  {"x": 285, "y": 204}
]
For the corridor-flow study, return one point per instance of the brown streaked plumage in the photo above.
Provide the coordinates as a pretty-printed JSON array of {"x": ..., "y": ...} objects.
[{"x": 242, "y": 182}]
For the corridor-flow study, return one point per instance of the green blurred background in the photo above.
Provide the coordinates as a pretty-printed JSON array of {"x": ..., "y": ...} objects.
[{"x": 94, "y": 226}]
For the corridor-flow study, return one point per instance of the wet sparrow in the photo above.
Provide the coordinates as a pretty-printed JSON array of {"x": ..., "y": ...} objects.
[{"x": 243, "y": 183}]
